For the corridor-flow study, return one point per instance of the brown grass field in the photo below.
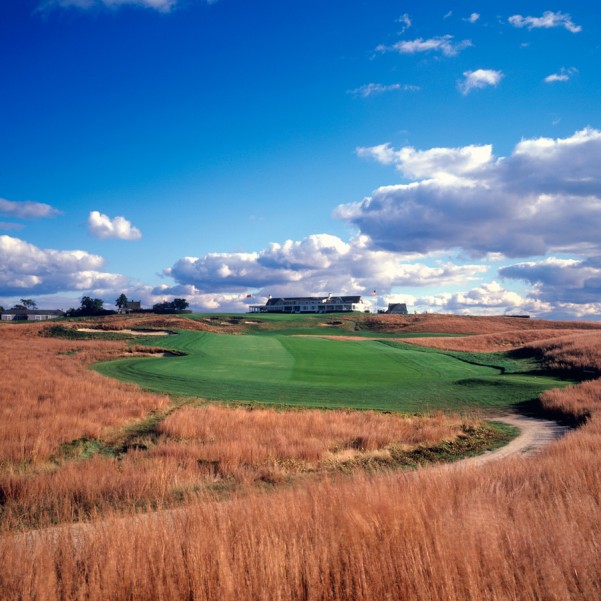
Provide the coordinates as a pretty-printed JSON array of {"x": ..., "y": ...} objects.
[{"x": 523, "y": 528}]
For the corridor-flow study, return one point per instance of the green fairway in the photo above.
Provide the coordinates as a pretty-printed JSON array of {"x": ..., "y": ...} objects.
[{"x": 326, "y": 373}]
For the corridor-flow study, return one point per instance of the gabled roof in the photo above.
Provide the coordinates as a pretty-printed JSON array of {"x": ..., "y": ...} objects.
[{"x": 316, "y": 299}]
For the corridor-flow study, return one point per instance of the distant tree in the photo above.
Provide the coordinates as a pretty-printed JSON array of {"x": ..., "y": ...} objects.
[
  {"x": 1, "y": 309},
  {"x": 29, "y": 303},
  {"x": 177, "y": 304},
  {"x": 164, "y": 307},
  {"x": 20, "y": 307},
  {"x": 122, "y": 301},
  {"x": 180, "y": 304},
  {"x": 91, "y": 306}
]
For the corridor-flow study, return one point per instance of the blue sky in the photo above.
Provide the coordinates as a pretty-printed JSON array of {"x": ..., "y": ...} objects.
[{"x": 445, "y": 154}]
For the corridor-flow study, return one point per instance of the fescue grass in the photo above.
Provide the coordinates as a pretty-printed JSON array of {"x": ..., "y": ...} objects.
[
  {"x": 75, "y": 444},
  {"x": 518, "y": 529},
  {"x": 48, "y": 397}
]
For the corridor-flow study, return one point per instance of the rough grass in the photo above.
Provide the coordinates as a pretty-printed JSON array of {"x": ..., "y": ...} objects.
[
  {"x": 522, "y": 529},
  {"x": 495, "y": 342},
  {"x": 75, "y": 444},
  {"x": 48, "y": 397},
  {"x": 519, "y": 529}
]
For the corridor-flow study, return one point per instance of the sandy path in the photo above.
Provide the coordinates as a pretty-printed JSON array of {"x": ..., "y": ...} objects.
[
  {"x": 131, "y": 332},
  {"x": 535, "y": 434}
]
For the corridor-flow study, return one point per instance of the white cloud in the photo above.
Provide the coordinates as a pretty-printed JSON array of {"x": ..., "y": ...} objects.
[
  {"x": 486, "y": 299},
  {"x": 478, "y": 79},
  {"x": 27, "y": 269},
  {"x": 560, "y": 280},
  {"x": 548, "y": 20},
  {"x": 472, "y": 18},
  {"x": 102, "y": 226},
  {"x": 405, "y": 22},
  {"x": 163, "y": 6},
  {"x": 436, "y": 162},
  {"x": 374, "y": 89},
  {"x": 545, "y": 196},
  {"x": 319, "y": 263},
  {"x": 443, "y": 44},
  {"x": 563, "y": 75},
  {"x": 26, "y": 209}
]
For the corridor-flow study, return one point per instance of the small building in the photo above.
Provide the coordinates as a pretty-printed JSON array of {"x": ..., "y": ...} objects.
[
  {"x": 397, "y": 309},
  {"x": 310, "y": 304},
  {"x": 31, "y": 314},
  {"x": 131, "y": 307}
]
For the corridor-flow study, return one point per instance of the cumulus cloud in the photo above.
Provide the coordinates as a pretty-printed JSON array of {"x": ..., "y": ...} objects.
[
  {"x": 563, "y": 75},
  {"x": 26, "y": 209},
  {"x": 570, "y": 281},
  {"x": 478, "y": 79},
  {"x": 548, "y": 20},
  {"x": 472, "y": 18},
  {"x": 486, "y": 299},
  {"x": 25, "y": 268},
  {"x": 545, "y": 196},
  {"x": 163, "y": 6},
  {"x": 102, "y": 226},
  {"x": 319, "y": 263},
  {"x": 375, "y": 89},
  {"x": 443, "y": 44},
  {"x": 435, "y": 162}
]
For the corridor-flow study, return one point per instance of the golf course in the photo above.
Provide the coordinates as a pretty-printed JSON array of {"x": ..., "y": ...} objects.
[{"x": 284, "y": 369}]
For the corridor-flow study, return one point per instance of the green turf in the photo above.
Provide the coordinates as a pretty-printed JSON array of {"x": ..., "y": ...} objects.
[{"x": 325, "y": 373}]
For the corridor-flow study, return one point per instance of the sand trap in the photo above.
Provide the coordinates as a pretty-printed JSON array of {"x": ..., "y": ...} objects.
[
  {"x": 132, "y": 332},
  {"x": 142, "y": 354}
]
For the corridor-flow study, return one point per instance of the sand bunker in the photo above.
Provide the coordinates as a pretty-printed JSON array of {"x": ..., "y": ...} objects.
[{"x": 132, "y": 332}]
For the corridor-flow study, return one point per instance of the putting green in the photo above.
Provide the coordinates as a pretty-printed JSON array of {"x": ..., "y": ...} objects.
[{"x": 324, "y": 373}]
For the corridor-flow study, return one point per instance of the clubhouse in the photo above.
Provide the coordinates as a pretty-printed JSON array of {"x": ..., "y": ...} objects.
[{"x": 310, "y": 304}]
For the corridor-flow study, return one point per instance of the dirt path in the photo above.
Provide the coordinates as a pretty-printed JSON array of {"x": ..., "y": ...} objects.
[{"x": 535, "y": 434}]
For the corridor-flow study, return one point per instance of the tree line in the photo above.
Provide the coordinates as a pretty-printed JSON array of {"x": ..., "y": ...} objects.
[{"x": 95, "y": 306}]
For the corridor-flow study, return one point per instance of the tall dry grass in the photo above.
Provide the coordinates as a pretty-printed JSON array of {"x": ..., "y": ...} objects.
[
  {"x": 490, "y": 343},
  {"x": 524, "y": 529},
  {"x": 49, "y": 397},
  {"x": 520, "y": 529},
  {"x": 169, "y": 322},
  {"x": 572, "y": 352},
  {"x": 457, "y": 324},
  {"x": 199, "y": 450}
]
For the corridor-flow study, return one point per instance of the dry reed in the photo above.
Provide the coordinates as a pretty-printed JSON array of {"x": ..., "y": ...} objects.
[
  {"x": 490, "y": 343},
  {"x": 49, "y": 397},
  {"x": 521, "y": 529},
  {"x": 191, "y": 451}
]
